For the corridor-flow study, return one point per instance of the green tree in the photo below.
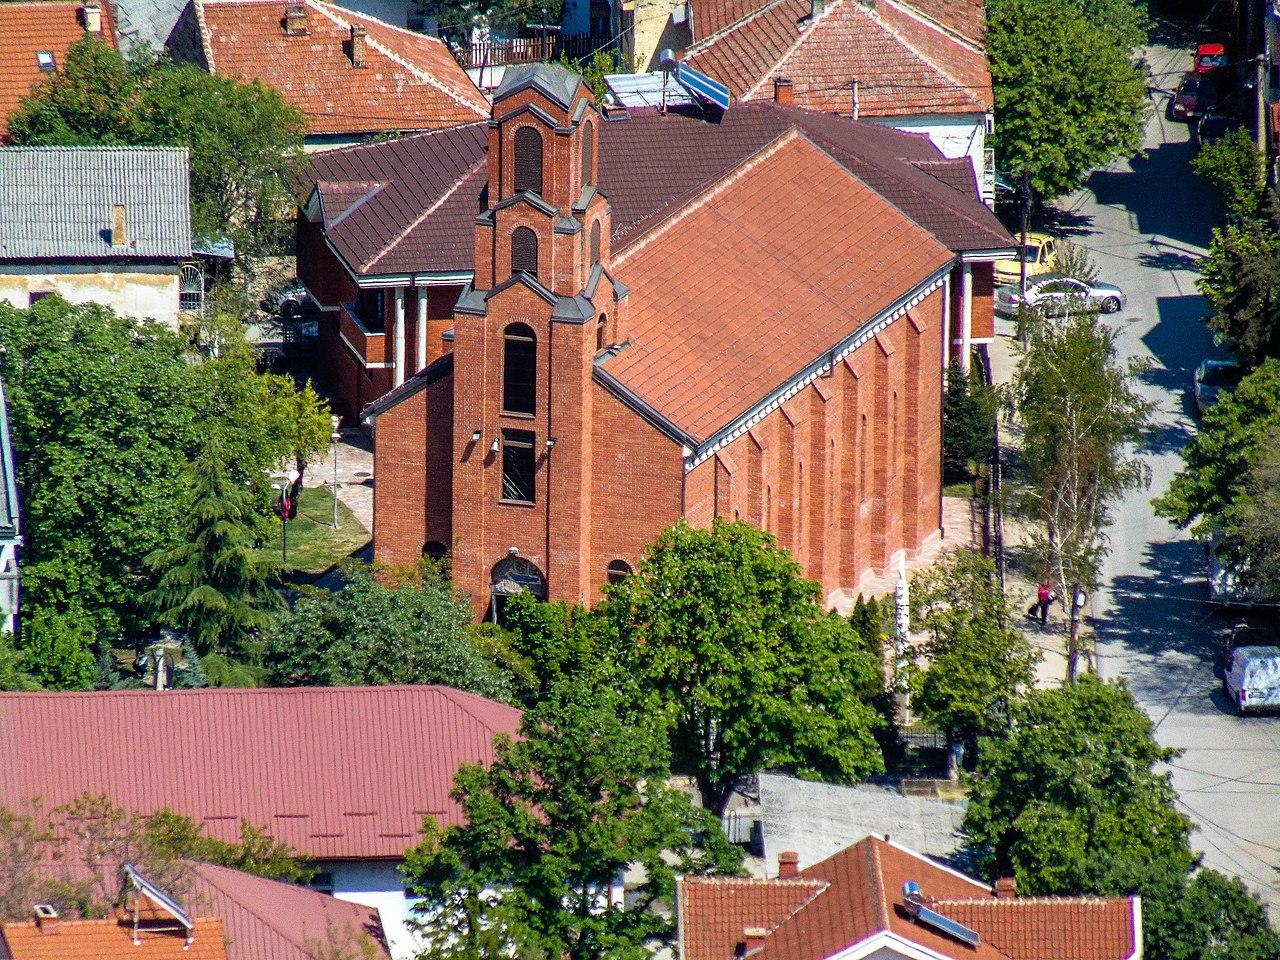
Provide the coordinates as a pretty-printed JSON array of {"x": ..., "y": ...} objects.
[
  {"x": 457, "y": 19},
  {"x": 977, "y": 664},
  {"x": 1240, "y": 278},
  {"x": 1235, "y": 168},
  {"x": 601, "y": 64},
  {"x": 1068, "y": 91},
  {"x": 1209, "y": 916},
  {"x": 1068, "y": 801},
  {"x": 379, "y": 630},
  {"x": 213, "y": 583},
  {"x": 561, "y": 813},
  {"x": 13, "y": 666},
  {"x": 733, "y": 646},
  {"x": 563, "y": 642},
  {"x": 57, "y": 649},
  {"x": 968, "y": 424}
]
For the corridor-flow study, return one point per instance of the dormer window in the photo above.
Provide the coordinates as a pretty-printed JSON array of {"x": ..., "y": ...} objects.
[
  {"x": 45, "y": 61},
  {"x": 528, "y": 165}
]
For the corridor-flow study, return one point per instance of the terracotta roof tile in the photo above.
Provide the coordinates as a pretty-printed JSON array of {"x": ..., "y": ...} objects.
[
  {"x": 112, "y": 940},
  {"x": 411, "y": 82},
  {"x": 724, "y": 907},
  {"x": 1050, "y": 928}
]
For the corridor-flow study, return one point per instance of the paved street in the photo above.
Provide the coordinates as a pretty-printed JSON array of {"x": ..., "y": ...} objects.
[{"x": 1145, "y": 221}]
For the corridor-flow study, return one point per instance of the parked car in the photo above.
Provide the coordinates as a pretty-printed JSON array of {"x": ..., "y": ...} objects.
[
  {"x": 1253, "y": 680},
  {"x": 1054, "y": 293},
  {"x": 1210, "y": 57},
  {"x": 287, "y": 300},
  {"x": 1212, "y": 127},
  {"x": 1041, "y": 252},
  {"x": 1211, "y": 378},
  {"x": 1245, "y": 635},
  {"x": 1196, "y": 94}
]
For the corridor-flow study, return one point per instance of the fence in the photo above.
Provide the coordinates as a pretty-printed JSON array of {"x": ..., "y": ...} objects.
[{"x": 503, "y": 53}]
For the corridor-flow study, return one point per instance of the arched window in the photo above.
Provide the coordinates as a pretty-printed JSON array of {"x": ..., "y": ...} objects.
[
  {"x": 618, "y": 571},
  {"x": 519, "y": 369},
  {"x": 595, "y": 242},
  {"x": 524, "y": 251},
  {"x": 600, "y": 325},
  {"x": 434, "y": 550},
  {"x": 528, "y": 164},
  {"x": 588, "y": 149}
]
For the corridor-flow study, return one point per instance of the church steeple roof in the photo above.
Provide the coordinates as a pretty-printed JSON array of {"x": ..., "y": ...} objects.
[{"x": 551, "y": 79}]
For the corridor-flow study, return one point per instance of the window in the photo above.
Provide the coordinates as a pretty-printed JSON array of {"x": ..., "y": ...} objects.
[
  {"x": 35, "y": 296},
  {"x": 45, "y": 61},
  {"x": 595, "y": 242},
  {"x": 369, "y": 309},
  {"x": 519, "y": 369},
  {"x": 588, "y": 150},
  {"x": 864, "y": 451},
  {"x": 517, "y": 465},
  {"x": 322, "y": 882},
  {"x": 600, "y": 324},
  {"x": 434, "y": 550},
  {"x": 618, "y": 571},
  {"x": 528, "y": 166},
  {"x": 524, "y": 251}
]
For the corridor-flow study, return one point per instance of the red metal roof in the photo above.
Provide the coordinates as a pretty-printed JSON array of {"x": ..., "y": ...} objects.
[{"x": 339, "y": 772}]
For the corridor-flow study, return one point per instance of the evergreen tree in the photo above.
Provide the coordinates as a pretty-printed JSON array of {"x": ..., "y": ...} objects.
[
  {"x": 214, "y": 584},
  {"x": 968, "y": 424},
  {"x": 190, "y": 674}
]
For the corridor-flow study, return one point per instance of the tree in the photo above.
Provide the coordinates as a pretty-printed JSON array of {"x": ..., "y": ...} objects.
[
  {"x": 563, "y": 642},
  {"x": 1069, "y": 93},
  {"x": 57, "y": 650},
  {"x": 732, "y": 645},
  {"x": 382, "y": 627},
  {"x": 1081, "y": 414},
  {"x": 459, "y": 19},
  {"x": 1241, "y": 280},
  {"x": 549, "y": 826},
  {"x": 968, "y": 424},
  {"x": 977, "y": 665},
  {"x": 214, "y": 584},
  {"x": 1068, "y": 801},
  {"x": 1236, "y": 169},
  {"x": 1208, "y": 917},
  {"x": 13, "y": 672}
]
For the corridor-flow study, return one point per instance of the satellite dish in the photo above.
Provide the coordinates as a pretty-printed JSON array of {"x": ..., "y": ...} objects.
[{"x": 667, "y": 60}]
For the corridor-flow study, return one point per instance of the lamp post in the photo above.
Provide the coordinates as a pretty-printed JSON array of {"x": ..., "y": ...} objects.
[
  {"x": 335, "y": 437},
  {"x": 283, "y": 510}
]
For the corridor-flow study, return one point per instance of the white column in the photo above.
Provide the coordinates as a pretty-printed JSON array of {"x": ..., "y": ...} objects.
[
  {"x": 397, "y": 374},
  {"x": 966, "y": 314},
  {"x": 420, "y": 360}
]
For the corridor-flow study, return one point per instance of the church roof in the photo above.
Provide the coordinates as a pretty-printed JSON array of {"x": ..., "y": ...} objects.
[{"x": 551, "y": 79}]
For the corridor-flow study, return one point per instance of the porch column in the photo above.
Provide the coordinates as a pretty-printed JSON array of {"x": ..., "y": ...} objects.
[
  {"x": 397, "y": 375},
  {"x": 946, "y": 326},
  {"x": 966, "y": 314},
  {"x": 420, "y": 358}
]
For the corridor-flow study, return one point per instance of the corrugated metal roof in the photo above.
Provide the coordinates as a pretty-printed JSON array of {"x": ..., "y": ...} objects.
[
  {"x": 336, "y": 772},
  {"x": 58, "y": 202}
]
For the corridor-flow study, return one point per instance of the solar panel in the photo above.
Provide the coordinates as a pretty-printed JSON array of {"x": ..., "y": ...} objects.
[
  {"x": 158, "y": 896},
  {"x": 931, "y": 918},
  {"x": 699, "y": 84}
]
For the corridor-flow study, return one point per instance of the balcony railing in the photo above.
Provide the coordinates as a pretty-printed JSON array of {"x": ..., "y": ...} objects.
[
  {"x": 503, "y": 53},
  {"x": 371, "y": 345}
]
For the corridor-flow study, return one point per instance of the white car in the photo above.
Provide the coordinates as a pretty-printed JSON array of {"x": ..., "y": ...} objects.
[
  {"x": 1054, "y": 293},
  {"x": 1252, "y": 682}
]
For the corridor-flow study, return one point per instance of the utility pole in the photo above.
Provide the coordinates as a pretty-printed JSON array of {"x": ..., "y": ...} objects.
[
  {"x": 1260, "y": 102},
  {"x": 1026, "y": 219}
]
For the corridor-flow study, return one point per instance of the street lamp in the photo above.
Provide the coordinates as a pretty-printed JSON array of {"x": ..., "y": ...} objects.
[
  {"x": 335, "y": 437},
  {"x": 284, "y": 506}
]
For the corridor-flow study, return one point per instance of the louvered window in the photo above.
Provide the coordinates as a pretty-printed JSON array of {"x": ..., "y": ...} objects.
[
  {"x": 595, "y": 242},
  {"x": 519, "y": 369},
  {"x": 588, "y": 150},
  {"x": 524, "y": 251},
  {"x": 518, "y": 465},
  {"x": 528, "y": 160}
]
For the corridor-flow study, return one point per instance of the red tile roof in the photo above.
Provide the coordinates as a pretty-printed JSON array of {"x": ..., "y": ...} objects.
[
  {"x": 30, "y": 28},
  {"x": 411, "y": 82},
  {"x": 112, "y": 940},
  {"x": 907, "y": 62},
  {"x": 862, "y": 897},
  {"x": 719, "y": 909},
  {"x": 268, "y": 920},
  {"x": 341, "y": 772}
]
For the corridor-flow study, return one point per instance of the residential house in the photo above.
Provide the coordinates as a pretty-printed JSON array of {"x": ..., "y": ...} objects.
[
  {"x": 877, "y": 899},
  {"x": 352, "y": 76},
  {"x": 666, "y": 318},
  {"x": 10, "y": 523},
  {"x": 108, "y": 225},
  {"x": 34, "y": 39},
  {"x": 916, "y": 65},
  {"x": 344, "y": 775}
]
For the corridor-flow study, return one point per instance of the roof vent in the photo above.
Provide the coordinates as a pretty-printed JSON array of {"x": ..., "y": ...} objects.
[
  {"x": 295, "y": 20},
  {"x": 46, "y": 918},
  {"x": 359, "y": 46},
  {"x": 91, "y": 16},
  {"x": 119, "y": 226},
  {"x": 913, "y": 900},
  {"x": 752, "y": 940}
]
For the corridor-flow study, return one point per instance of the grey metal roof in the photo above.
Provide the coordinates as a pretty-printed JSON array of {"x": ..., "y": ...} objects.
[
  {"x": 58, "y": 202},
  {"x": 552, "y": 79},
  {"x": 147, "y": 22}
]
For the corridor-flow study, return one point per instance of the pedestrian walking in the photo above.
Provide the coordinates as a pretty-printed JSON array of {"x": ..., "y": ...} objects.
[{"x": 1044, "y": 597}]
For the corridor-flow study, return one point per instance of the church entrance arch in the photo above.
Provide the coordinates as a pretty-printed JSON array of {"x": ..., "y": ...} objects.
[{"x": 513, "y": 575}]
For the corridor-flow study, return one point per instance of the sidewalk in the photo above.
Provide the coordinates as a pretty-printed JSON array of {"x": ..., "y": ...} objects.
[{"x": 355, "y": 473}]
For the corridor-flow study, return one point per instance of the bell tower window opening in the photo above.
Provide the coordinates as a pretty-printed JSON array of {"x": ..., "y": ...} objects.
[
  {"x": 595, "y": 242},
  {"x": 600, "y": 325},
  {"x": 528, "y": 162},
  {"x": 524, "y": 251},
  {"x": 588, "y": 153},
  {"x": 519, "y": 369},
  {"x": 518, "y": 466}
]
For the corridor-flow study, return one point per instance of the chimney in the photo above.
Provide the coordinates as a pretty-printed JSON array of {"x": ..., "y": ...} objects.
[
  {"x": 359, "y": 57},
  {"x": 784, "y": 92},
  {"x": 1006, "y": 888},
  {"x": 752, "y": 940},
  {"x": 788, "y": 865},
  {"x": 91, "y": 16},
  {"x": 119, "y": 226},
  {"x": 295, "y": 20},
  {"x": 46, "y": 918}
]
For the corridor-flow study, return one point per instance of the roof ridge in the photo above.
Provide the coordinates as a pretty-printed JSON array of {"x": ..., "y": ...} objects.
[
  {"x": 231, "y": 692},
  {"x": 700, "y": 45},
  {"x": 930, "y": 861},
  {"x": 370, "y": 192},
  {"x": 964, "y": 88},
  {"x": 762, "y": 881},
  {"x": 93, "y": 147},
  {"x": 877, "y": 883},
  {"x": 936, "y": 24},
  {"x": 803, "y": 34},
  {"x": 379, "y": 145},
  {"x": 206, "y": 36},
  {"x": 461, "y": 698},
  {"x": 454, "y": 188},
  {"x": 1084, "y": 900},
  {"x": 265, "y": 919}
]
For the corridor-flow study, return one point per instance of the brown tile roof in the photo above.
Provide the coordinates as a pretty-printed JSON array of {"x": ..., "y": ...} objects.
[
  {"x": 411, "y": 82},
  {"x": 268, "y": 920},
  {"x": 836, "y": 255},
  {"x": 339, "y": 772},
  {"x": 726, "y": 906},
  {"x": 112, "y": 940},
  {"x": 862, "y": 897},
  {"x": 30, "y": 28},
  {"x": 906, "y": 62}
]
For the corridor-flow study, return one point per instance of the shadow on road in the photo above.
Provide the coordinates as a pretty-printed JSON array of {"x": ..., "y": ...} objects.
[{"x": 1188, "y": 219}]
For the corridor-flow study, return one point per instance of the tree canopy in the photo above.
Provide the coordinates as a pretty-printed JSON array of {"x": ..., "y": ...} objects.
[
  {"x": 1241, "y": 280},
  {"x": 1235, "y": 168},
  {"x": 968, "y": 423}
]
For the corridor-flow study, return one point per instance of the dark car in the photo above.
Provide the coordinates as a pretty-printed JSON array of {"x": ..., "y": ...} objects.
[
  {"x": 1213, "y": 377},
  {"x": 1212, "y": 127},
  {"x": 1195, "y": 95}
]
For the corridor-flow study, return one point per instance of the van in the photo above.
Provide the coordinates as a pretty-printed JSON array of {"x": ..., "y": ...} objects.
[{"x": 1252, "y": 681}]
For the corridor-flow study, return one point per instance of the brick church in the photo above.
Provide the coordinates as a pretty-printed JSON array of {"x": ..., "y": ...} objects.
[{"x": 665, "y": 317}]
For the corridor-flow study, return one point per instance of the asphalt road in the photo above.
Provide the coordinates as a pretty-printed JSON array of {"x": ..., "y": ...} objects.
[{"x": 1146, "y": 221}]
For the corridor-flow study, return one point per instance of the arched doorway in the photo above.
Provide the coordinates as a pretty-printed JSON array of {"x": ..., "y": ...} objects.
[{"x": 512, "y": 575}]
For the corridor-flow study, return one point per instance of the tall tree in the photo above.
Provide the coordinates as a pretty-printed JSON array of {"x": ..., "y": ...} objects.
[
  {"x": 214, "y": 584},
  {"x": 1241, "y": 280},
  {"x": 733, "y": 645},
  {"x": 557, "y": 818},
  {"x": 968, "y": 424},
  {"x": 1236, "y": 169}
]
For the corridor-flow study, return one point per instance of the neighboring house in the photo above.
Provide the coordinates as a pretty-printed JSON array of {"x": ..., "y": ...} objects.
[
  {"x": 666, "y": 318},
  {"x": 34, "y": 39},
  {"x": 108, "y": 225},
  {"x": 917, "y": 65},
  {"x": 352, "y": 76},
  {"x": 344, "y": 775},
  {"x": 10, "y": 523},
  {"x": 879, "y": 900}
]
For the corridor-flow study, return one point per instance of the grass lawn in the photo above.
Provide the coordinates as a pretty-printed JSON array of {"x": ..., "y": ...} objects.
[
  {"x": 314, "y": 546},
  {"x": 961, "y": 488}
]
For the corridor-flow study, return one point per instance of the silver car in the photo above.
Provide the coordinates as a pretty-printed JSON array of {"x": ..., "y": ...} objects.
[{"x": 1055, "y": 293}]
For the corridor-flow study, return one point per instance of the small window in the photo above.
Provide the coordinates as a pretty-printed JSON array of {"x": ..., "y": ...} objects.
[
  {"x": 35, "y": 296},
  {"x": 600, "y": 325},
  {"x": 588, "y": 149},
  {"x": 517, "y": 465},
  {"x": 524, "y": 251},
  {"x": 519, "y": 369},
  {"x": 618, "y": 571},
  {"x": 528, "y": 165},
  {"x": 595, "y": 242},
  {"x": 46, "y": 61}
]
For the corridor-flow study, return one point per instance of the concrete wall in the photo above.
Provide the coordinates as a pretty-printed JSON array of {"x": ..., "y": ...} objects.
[
  {"x": 378, "y": 884},
  {"x": 132, "y": 290},
  {"x": 956, "y": 135}
]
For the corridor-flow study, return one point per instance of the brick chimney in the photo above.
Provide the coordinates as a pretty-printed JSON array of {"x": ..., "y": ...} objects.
[
  {"x": 91, "y": 16},
  {"x": 359, "y": 46},
  {"x": 295, "y": 20},
  {"x": 788, "y": 865},
  {"x": 784, "y": 92},
  {"x": 752, "y": 940},
  {"x": 1006, "y": 888},
  {"x": 46, "y": 918},
  {"x": 119, "y": 226}
]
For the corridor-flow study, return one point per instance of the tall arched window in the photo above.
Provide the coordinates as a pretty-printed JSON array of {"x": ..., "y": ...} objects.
[
  {"x": 588, "y": 149},
  {"x": 528, "y": 160},
  {"x": 600, "y": 325},
  {"x": 519, "y": 369},
  {"x": 595, "y": 242},
  {"x": 864, "y": 457},
  {"x": 524, "y": 251}
]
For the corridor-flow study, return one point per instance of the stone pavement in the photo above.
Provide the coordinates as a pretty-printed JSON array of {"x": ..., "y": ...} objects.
[{"x": 355, "y": 473}]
